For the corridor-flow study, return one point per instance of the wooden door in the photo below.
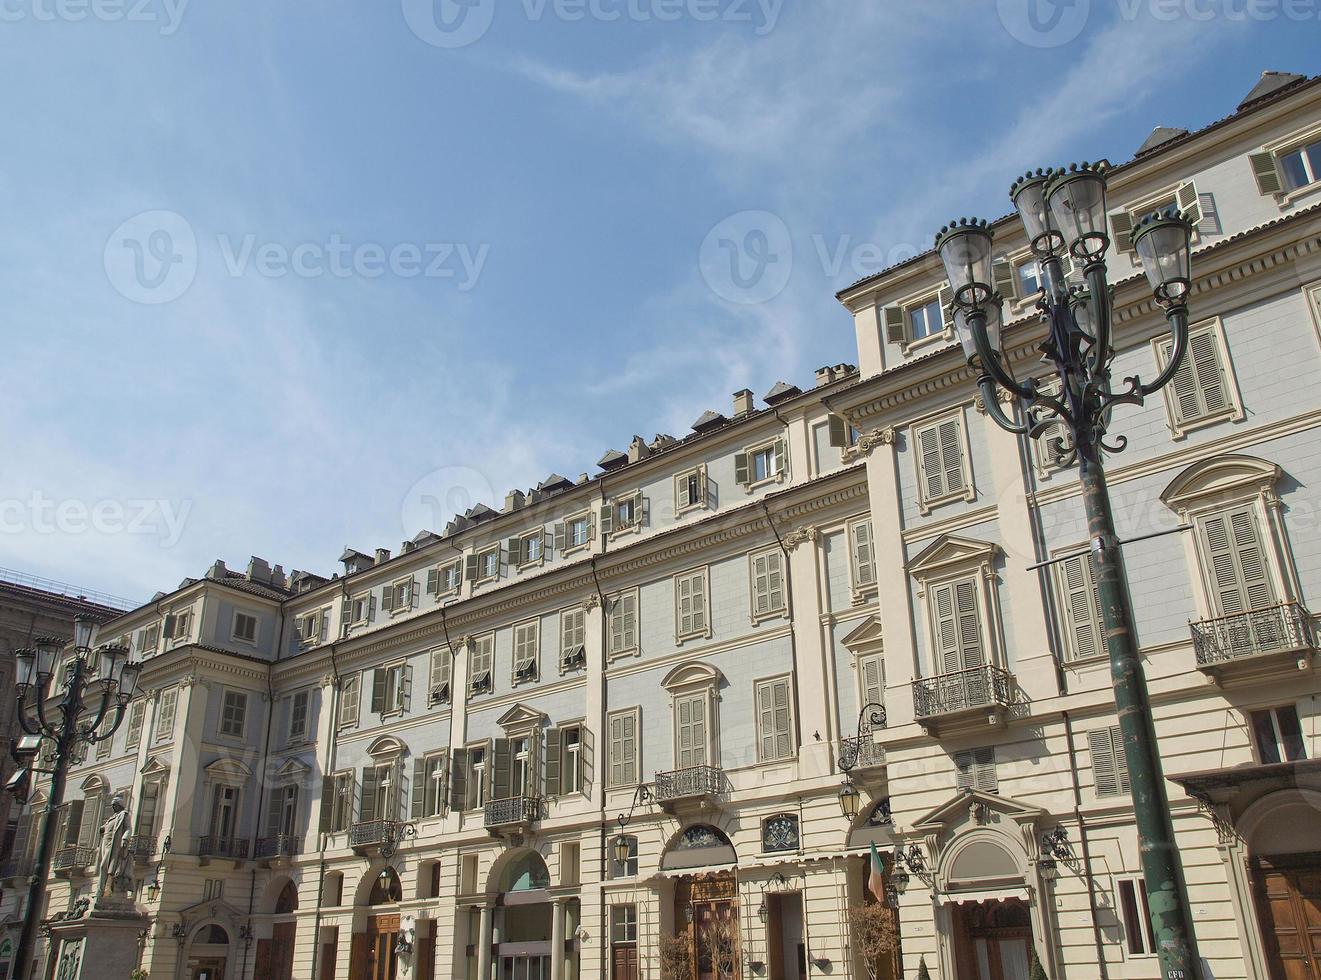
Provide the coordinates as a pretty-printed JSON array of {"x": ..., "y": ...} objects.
[
  {"x": 1288, "y": 902},
  {"x": 329, "y": 954},
  {"x": 282, "y": 951},
  {"x": 382, "y": 934},
  {"x": 359, "y": 957},
  {"x": 625, "y": 962}
]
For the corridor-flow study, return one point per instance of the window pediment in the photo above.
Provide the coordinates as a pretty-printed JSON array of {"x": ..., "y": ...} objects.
[
  {"x": 155, "y": 769},
  {"x": 293, "y": 770},
  {"x": 387, "y": 747},
  {"x": 865, "y": 637},
  {"x": 692, "y": 675},
  {"x": 94, "y": 786},
  {"x": 1222, "y": 476},
  {"x": 521, "y": 716},
  {"x": 975, "y": 806},
  {"x": 229, "y": 771},
  {"x": 949, "y": 553}
]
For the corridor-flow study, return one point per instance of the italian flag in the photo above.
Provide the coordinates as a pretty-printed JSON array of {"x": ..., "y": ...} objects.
[{"x": 876, "y": 880}]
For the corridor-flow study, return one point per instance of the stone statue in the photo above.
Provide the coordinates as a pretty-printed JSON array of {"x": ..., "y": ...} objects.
[{"x": 114, "y": 859}]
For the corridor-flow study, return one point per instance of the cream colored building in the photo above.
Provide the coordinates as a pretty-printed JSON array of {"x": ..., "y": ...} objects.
[{"x": 421, "y": 766}]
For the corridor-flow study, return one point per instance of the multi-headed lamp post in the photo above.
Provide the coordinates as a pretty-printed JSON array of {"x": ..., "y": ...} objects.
[
  {"x": 1064, "y": 212},
  {"x": 97, "y": 686}
]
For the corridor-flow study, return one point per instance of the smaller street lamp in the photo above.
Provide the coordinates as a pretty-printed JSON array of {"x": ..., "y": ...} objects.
[{"x": 849, "y": 800}]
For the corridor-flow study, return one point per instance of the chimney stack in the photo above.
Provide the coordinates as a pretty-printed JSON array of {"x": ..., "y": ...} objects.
[
  {"x": 514, "y": 500},
  {"x": 258, "y": 570},
  {"x": 637, "y": 449},
  {"x": 742, "y": 403},
  {"x": 382, "y": 555}
]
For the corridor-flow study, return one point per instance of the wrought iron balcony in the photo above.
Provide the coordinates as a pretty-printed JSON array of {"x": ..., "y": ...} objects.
[
  {"x": 516, "y": 811},
  {"x": 365, "y": 833},
  {"x": 861, "y": 751},
  {"x": 282, "y": 845},
  {"x": 222, "y": 847},
  {"x": 73, "y": 860},
  {"x": 696, "y": 782},
  {"x": 15, "y": 868},
  {"x": 979, "y": 690},
  {"x": 142, "y": 847},
  {"x": 1287, "y": 630}
]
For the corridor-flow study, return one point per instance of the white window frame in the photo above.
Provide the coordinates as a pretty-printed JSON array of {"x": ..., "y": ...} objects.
[
  {"x": 567, "y": 752},
  {"x": 681, "y": 482},
  {"x": 771, "y": 611},
  {"x": 700, "y": 576},
  {"x": 638, "y": 518},
  {"x": 1181, "y": 195},
  {"x": 149, "y": 638},
  {"x": 862, "y": 591},
  {"x": 396, "y": 687},
  {"x": 292, "y": 736},
  {"x": 242, "y": 707},
  {"x": 402, "y": 592},
  {"x": 958, "y": 560},
  {"x": 1232, "y": 411},
  {"x": 523, "y": 559},
  {"x": 1141, "y": 914},
  {"x": 778, "y": 469},
  {"x": 624, "y": 763},
  {"x": 520, "y": 661},
  {"x": 435, "y": 791},
  {"x": 343, "y": 786},
  {"x": 897, "y": 325},
  {"x": 585, "y": 517},
  {"x": 234, "y": 628},
  {"x": 320, "y": 618},
  {"x": 350, "y": 692},
  {"x": 481, "y": 661},
  {"x": 440, "y": 678},
  {"x": 613, "y": 606},
  {"x": 711, "y": 750},
  {"x": 482, "y": 557},
  {"x": 1277, "y": 733},
  {"x": 769, "y": 683},
  {"x": 968, "y": 492},
  {"x": 182, "y": 627},
  {"x": 1277, "y": 149},
  {"x": 573, "y": 639},
  {"x": 360, "y": 609},
  {"x": 448, "y": 590},
  {"x": 478, "y": 776}
]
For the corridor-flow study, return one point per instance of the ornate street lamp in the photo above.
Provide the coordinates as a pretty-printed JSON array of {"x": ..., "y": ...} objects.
[
  {"x": 97, "y": 687},
  {"x": 870, "y": 718},
  {"x": 1064, "y": 212}
]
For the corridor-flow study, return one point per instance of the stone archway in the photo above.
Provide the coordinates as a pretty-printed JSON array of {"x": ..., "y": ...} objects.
[
  {"x": 1283, "y": 840},
  {"x": 278, "y": 934}
]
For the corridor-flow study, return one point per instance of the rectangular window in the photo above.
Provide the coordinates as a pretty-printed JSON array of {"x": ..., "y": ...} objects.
[
  {"x": 871, "y": 678},
  {"x": 1085, "y": 631},
  {"x": 690, "y": 489},
  {"x": 629, "y": 868},
  {"x": 342, "y": 809},
  {"x": 690, "y": 605},
  {"x": 767, "y": 584},
  {"x": 245, "y": 628},
  {"x": 233, "y": 713},
  {"x": 624, "y": 623},
  {"x": 692, "y": 730},
  {"x": 527, "y": 550},
  {"x": 925, "y": 319},
  {"x": 390, "y": 689},
  {"x": 956, "y": 625},
  {"x": 1137, "y": 917},
  {"x": 571, "y": 760},
  {"x": 573, "y": 633},
  {"x": 224, "y": 814},
  {"x": 477, "y": 776},
  {"x": 481, "y": 664},
  {"x": 165, "y": 714},
  {"x": 1234, "y": 561},
  {"x": 282, "y": 812},
  {"x": 624, "y": 748},
  {"x": 976, "y": 770},
  {"x": 149, "y": 638},
  {"x": 627, "y": 512},
  {"x": 522, "y": 766},
  {"x": 311, "y": 628},
  {"x": 137, "y": 714},
  {"x": 1109, "y": 763},
  {"x": 570, "y": 862},
  {"x": 298, "y": 710},
  {"x": 862, "y": 557},
  {"x": 1301, "y": 166},
  {"x": 940, "y": 461},
  {"x": 432, "y": 793},
  {"x": 358, "y": 610},
  {"x": 438, "y": 691},
  {"x": 349, "y": 697},
  {"x": 468, "y": 867},
  {"x": 1028, "y": 279},
  {"x": 761, "y": 464},
  {"x": 774, "y": 720},
  {"x": 1054, "y": 440},
  {"x": 485, "y": 564},
  {"x": 1277, "y": 734},
  {"x": 577, "y": 532},
  {"x": 527, "y": 644},
  {"x": 179, "y": 625},
  {"x": 1203, "y": 390},
  {"x": 624, "y": 923},
  {"x": 445, "y": 579},
  {"x": 399, "y": 596}
]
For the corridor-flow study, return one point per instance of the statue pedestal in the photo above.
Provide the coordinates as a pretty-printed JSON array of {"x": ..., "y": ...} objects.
[{"x": 102, "y": 943}]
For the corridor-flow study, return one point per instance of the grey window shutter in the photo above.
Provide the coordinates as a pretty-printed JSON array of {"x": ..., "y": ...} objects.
[
  {"x": 1189, "y": 203},
  {"x": 561, "y": 536},
  {"x": 586, "y": 758},
  {"x": 946, "y": 297},
  {"x": 591, "y": 526},
  {"x": 1121, "y": 223},
  {"x": 892, "y": 317},
  {"x": 703, "y": 491},
  {"x": 461, "y": 570},
  {"x": 781, "y": 456},
  {"x": 643, "y": 511},
  {"x": 470, "y": 568},
  {"x": 345, "y": 613},
  {"x": 1004, "y": 278},
  {"x": 459, "y": 780},
  {"x": 1210, "y": 215},
  {"x": 1104, "y": 773},
  {"x": 22, "y": 832},
  {"x": 741, "y": 469},
  {"x": 1266, "y": 169},
  {"x": 984, "y": 777},
  {"x": 1081, "y": 605},
  {"x": 553, "y": 787},
  {"x": 169, "y": 625},
  {"x": 1237, "y": 562},
  {"x": 274, "y": 805},
  {"x": 963, "y": 763},
  {"x": 607, "y": 519},
  {"x": 378, "y": 691},
  {"x": 433, "y": 580},
  {"x": 419, "y": 789},
  {"x": 928, "y": 459},
  {"x": 327, "y": 803},
  {"x": 75, "y": 823},
  {"x": 387, "y": 598},
  {"x": 500, "y": 765},
  {"x": 367, "y": 806},
  {"x": 839, "y": 432},
  {"x": 514, "y": 548},
  {"x": 951, "y": 454},
  {"x": 406, "y": 687}
]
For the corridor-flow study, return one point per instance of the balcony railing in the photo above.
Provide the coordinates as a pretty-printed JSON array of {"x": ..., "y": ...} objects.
[
  {"x": 364, "y": 833},
  {"x": 142, "y": 846},
  {"x": 963, "y": 690},
  {"x": 282, "y": 845},
  {"x": 222, "y": 847},
  {"x": 683, "y": 784},
  {"x": 73, "y": 858},
  {"x": 861, "y": 751},
  {"x": 516, "y": 810},
  {"x": 1275, "y": 629},
  {"x": 15, "y": 868}
]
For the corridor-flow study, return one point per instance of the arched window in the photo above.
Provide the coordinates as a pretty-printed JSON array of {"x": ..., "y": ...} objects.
[
  {"x": 780, "y": 833},
  {"x": 386, "y": 889},
  {"x": 629, "y": 867},
  {"x": 288, "y": 900},
  {"x": 212, "y": 935},
  {"x": 526, "y": 873}
]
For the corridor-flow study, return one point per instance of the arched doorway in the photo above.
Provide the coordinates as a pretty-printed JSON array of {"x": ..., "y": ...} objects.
[
  {"x": 208, "y": 953},
  {"x": 524, "y": 921},
  {"x": 275, "y": 956},
  {"x": 1284, "y": 869},
  {"x": 706, "y": 900},
  {"x": 374, "y": 955}
]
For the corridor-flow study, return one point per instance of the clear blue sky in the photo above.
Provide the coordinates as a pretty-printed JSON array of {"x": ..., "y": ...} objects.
[{"x": 209, "y": 351}]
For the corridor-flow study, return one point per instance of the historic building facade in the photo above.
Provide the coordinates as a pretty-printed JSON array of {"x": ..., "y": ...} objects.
[{"x": 431, "y": 764}]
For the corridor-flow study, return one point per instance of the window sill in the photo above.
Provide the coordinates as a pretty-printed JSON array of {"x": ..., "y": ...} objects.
[
  {"x": 930, "y": 340},
  {"x": 623, "y": 654},
  {"x": 925, "y": 507},
  {"x": 681, "y": 509},
  {"x": 573, "y": 549},
  {"x": 865, "y": 595},
  {"x": 1289, "y": 198},
  {"x": 681, "y": 639},
  {"x": 759, "y": 618},
  {"x": 620, "y": 532},
  {"x": 765, "y": 482},
  {"x": 1181, "y": 430}
]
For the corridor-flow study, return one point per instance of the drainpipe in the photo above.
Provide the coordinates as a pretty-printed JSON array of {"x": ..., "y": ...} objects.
[
  {"x": 1086, "y": 851},
  {"x": 793, "y": 632},
  {"x": 261, "y": 793},
  {"x": 330, "y": 768}
]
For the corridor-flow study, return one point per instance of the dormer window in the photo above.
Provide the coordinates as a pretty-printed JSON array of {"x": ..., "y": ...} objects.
[
  {"x": 761, "y": 463},
  {"x": 1288, "y": 166},
  {"x": 445, "y": 579},
  {"x": 918, "y": 319}
]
